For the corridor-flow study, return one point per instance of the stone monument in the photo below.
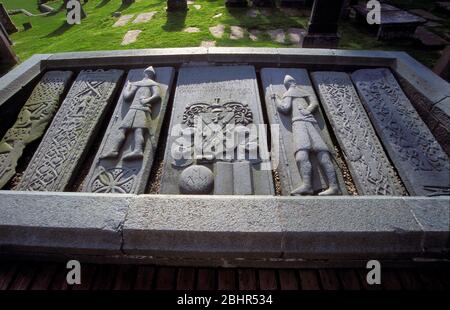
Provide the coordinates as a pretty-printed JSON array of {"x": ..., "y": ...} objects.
[
  {"x": 420, "y": 160},
  {"x": 6, "y": 21},
  {"x": 323, "y": 24},
  {"x": 213, "y": 147},
  {"x": 125, "y": 157},
  {"x": 177, "y": 5},
  {"x": 236, "y": 3},
  {"x": 32, "y": 121},
  {"x": 306, "y": 156},
  {"x": 7, "y": 56},
  {"x": 71, "y": 132}
]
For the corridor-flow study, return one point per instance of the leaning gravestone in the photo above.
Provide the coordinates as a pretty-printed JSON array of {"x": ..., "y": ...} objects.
[
  {"x": 365, "y": 156},
  {"x": 71, "y": 132},
  {"x": 6, "y": 21},
  {"x": 306, "y": 156},
  {"x": 209, "y": 149},
  {"x": 32, "y": 120},
  {"x": 177, "y": 5},
  {"x": 125, "y": 157},
  {"x": 418, "y": 157}
]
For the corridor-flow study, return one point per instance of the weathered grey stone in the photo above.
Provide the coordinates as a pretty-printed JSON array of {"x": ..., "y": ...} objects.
[
  {"x": 429, "y": 38},
  {"x": 426, "y": 15},
  {"x": 6, "y": 21},
  {"x": 277, "y": 35},
  {"x": 144, "y": 17},
  {"x": 71, "y": 132},
  {"x": 364, "y": 154},
  {"x": 130, "y": 37},
  {"x": 353, "y": 227},
  {"x": 197, "y": 6},
  {"x": 7, "y": 56},
  {"x": 123, "y": 20},
  {"x": 236, "y": 32},
  {"x": 417, "y": 156},
  {"x": 208, "y": 44},
  {"x": 191, "y": 29},
  {"x": 208, "y": 99},
  {"x": 196, "y": 180},
  {"x": 296, "y": 35},
  {"x": 62, "y": 222},
  {"x": 433, "y": 217},
  {"x": 32, "y": 120},
  {"x": 253, "y": 34},
  {"x": 217, "y": 31},
  {"x": 217, "y": 15},
  {"x": 125, "y": 156},
  {"x": 211, "y": 226},
  {"x": 295, "y": 141}
]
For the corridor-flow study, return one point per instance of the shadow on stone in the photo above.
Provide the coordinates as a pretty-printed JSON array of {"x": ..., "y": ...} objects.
[{"x": 175, "y": 21}]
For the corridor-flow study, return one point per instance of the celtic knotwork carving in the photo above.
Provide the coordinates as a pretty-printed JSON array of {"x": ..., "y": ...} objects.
[{"x": 115, "y": 180}]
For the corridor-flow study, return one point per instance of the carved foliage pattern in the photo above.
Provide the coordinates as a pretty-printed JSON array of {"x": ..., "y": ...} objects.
[
  {"x": 408, "y": 134},
  {"x": 31, "y": 121},
  {"x": 241, "y": 112},
  {"x": 360, "y": 143},
  {"x": 65, "y": 140}
]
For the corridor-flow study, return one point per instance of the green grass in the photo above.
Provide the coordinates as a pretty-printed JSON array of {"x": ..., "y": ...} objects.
[
  {"x": 29, "y": 5},
  {"x": 51, "y": 34}
]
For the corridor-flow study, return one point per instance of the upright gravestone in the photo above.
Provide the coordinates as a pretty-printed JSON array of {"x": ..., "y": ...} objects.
[
  {"x": 295, "y": 3},
  {"x": 32, "y": 120},
  {"x": 418, "y": 157},
  {"x": 216, "y": 142},
  {"x": 305, "y": 152},
  {"x": 177, "y": 5},
  {"x": 370, "y": 168},
  {"x": 323, "y": 24},
  {"x": 71, "y": 132},
  {"x": 125, "y": 157},
  {"x": 7, "y": 56},
  {"x": 6, "y": 21}
]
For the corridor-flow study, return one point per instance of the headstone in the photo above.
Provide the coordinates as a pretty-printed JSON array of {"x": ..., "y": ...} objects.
[
  {"x": 236, "y": 32},
  {"x": 296, "y": 35},
  {"x": 323, "y": 24},
  {"x": 177, "y": 5},
  {"x": 369, "y": 166},
  {"x": 442, "y": 67},
  {"x": 217, "y": 31},
  {"x": 27, "y": 26},
  {"x": 418, "y": 157},
  {"x": 212, "y": 145},
  {"x": 277, "y": 35},
  {"x": 7, "y": 56},
  {"x": 306, "y": 155},
  {"x": 429, "y": 38},
  {"x": 6, "y": 21},
  {"x": 32, "y": 121},
  {"x": 71, "y": 132},
  {"x": 236, "y": 3},
  {"x": 125, "y": 157},
  {"x": 263, "y": 3}
]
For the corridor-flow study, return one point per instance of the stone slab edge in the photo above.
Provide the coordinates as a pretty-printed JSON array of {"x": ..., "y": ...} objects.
[{"x": 225, "y": 229}]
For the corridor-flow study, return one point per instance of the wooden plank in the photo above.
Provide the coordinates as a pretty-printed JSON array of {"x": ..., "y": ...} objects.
[
  {"x": 349, "y": 279},
  {"x": 24, "y": 277},
  {"x": 309, "y": 279},
  {"x": 267, "y": 279},
  {"x": 44, "y": 277},
  {"x": 288, "y": 279},
  {"x": 144, "y": 278},
  {"x": 88, "y": 272},
  {"x": 329, "y": 279},
  {"x": 206, "y": 279},
  {"x": 409, "y": 279},
  {"x": 165, "y": 278},
  {"x": 104, "y": 278},
  {"x": 247, "y": 279},
  {"x": 7, "y": 272},
  {"x": 186, "y": 279},
  {"x": 389, "y": 280},
  {"x": 126, "y": 276},
  {"x": 227, "y": 279}
]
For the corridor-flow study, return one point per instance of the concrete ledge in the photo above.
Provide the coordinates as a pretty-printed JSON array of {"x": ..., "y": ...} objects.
[{"x": 227, "y": 230}]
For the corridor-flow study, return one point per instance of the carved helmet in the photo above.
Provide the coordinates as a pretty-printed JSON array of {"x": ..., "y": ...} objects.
[
  {"x": 150, "y": 71},
  {"x": 289, "y": 80}
]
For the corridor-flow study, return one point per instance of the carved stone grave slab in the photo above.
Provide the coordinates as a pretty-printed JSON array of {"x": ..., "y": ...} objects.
[
  {"x": 33, "y": 118},
  {"x": 307, "y": 162},
  {"x": 208, "y": 150},
  {"x": 125, "y": 157},
  {"x": 418, "y": 157},
  {"x": 371, "y": 170},
  {"x": 71, "y": 132}
]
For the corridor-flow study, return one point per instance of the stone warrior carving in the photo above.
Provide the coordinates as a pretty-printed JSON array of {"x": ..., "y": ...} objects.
[
  {"x": 306, "y": 137},
  {"x": 142, "y": 94}
]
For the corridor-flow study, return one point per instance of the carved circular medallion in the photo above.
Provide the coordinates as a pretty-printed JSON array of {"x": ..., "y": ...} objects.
[{"x": 196, "y": 180}]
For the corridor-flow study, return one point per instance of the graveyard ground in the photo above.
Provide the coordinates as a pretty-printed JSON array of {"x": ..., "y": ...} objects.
[{"x": 51, "y": 33}]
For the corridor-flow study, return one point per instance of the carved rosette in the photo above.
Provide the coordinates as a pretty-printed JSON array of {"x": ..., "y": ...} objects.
[{"x": 115, "y": 180}]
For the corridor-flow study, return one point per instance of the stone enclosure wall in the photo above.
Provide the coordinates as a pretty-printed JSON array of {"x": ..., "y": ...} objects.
[{"x": 344, "y": 122}]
